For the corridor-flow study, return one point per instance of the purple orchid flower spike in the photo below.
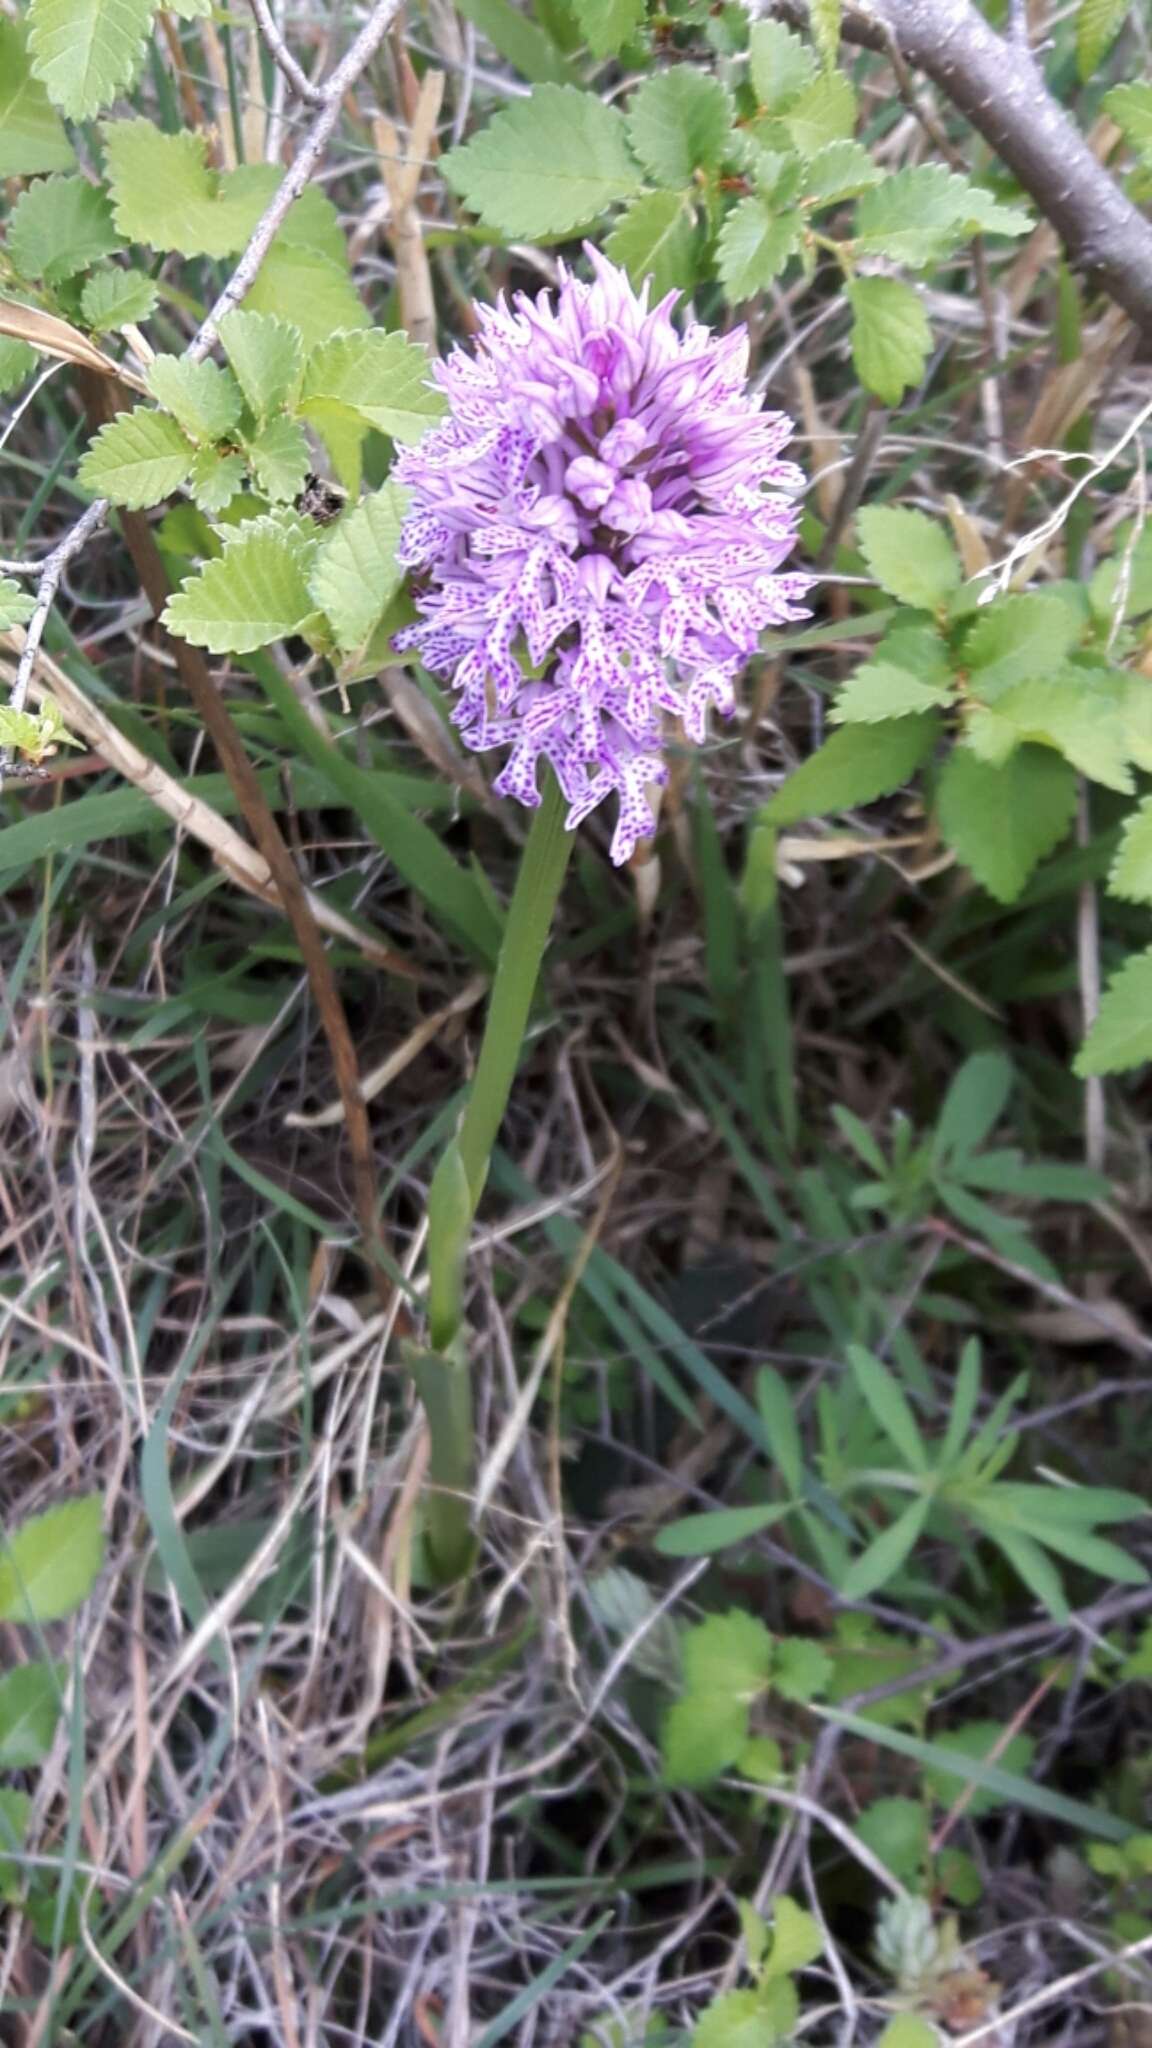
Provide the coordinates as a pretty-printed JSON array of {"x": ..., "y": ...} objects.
[{"x": 596, "y": 530}]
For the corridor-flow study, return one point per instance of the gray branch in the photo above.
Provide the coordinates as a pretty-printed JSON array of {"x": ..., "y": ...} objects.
[{"x": 998, "y": 85}]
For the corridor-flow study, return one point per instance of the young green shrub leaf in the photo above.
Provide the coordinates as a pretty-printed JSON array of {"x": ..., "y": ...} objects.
[
  {"x": 266, "y": 357},
  {"x": 215, "y": 480},
  {"x": 204, "y": 399},
  {"x": 880, "y": 690},
  {"x": 86, "y": 51},
  {"x": 1003, "y": 821},
  {"x": 16, "y": 606},
  {"x": 754, "y": 245},
  {"x": 58, "y": 227},
  {"x": 781, "y": 66},
  {"x": 655, "y": 237},
  {"x": 1122, "y": 1034},
  {"x": 825, "y": 112},
  {"x": 117, "y": 298},
  {"x": 279, "y": 458},
  {"x": 891, "y": 337},
  {"x": 1024, "y": 635},
  {"x": 910, "y": 555},
  {"x": 854, "y": 767},
  {"x": 32, "y": 137},
  {"x": 546, "y": 165},
  {"x": 29, "y": 1711},
  {"x": 825, "y": 19},
  {"x": 1098, "y": 24},
  {"x": 1130, "y": 875},
  {"x": 921, "y": 213},
  {"x": 137, "y": 459},
  {"x": 680, "y": 122},
  {"x": 17, "y": 362},
  {"x": 254, "y": 592},
  {"x": 356, "y": 574},
  {"x": 49, "y": 1564},
  {"x": 841, "y": 170},
  {"x": 380, "y": 379},
  {"x": 1131, "y": 108},
  {"x": 608, "y": 24}
]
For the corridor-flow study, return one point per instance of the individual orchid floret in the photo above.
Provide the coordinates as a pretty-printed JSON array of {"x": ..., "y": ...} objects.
[{"x": 595, "y": 531}]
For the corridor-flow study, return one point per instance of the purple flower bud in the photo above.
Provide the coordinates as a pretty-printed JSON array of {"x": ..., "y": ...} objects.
[{"x": 605, "y": 506}]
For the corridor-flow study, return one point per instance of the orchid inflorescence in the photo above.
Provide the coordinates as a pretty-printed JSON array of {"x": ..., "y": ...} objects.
[{"x": 596, "y": 529}]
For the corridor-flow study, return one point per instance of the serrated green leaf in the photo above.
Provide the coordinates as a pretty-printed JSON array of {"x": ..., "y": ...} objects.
[
  {"x": 824, "y": 16},
  {"x": 278, "y": 457},
  {"x": 312, "y": 291},
  {"x": 15, "y": 604},
  {"x": 896, "y": 1830},
  {"x": 1122, "y": 1034},
  {"x": 137, "y": 459},
  {"x": 679, "y": 122},
  {"x": 1020, "y": 636},
  {"x": 608, "y": 24},
  {"x": 381, "y": 379},
  {"x": 204, "y": 399},
  {"x": 49, "y": 1564},
  {"x": 703, "y": 1734},
  {"x": 655, "y": 237},
  {"x": 729, "y": 1653},
  {"x": 215, "y": 480},
  {"x": 356, "y": 573},
  {"x": 797, "y": 1940},
  {"x": 165, "y": 195},
  {"x": 32, "y": 137},
  {"x": 1002, "y": 821},
  {"x": 781, "y": 66},
  {"x": 1131, "y": 108},
  {"x": 1130, "y": 875},
  {"x": 117, "y": 298},
  {"x": 29, "y": 1711},
  {"x": 841, "y": 170},
  {"x": 881, "y": 690},
  {"x": 1082, "y": 719},
  {"x": 800, "y": 1672},
  {"x": 891, "y": 337},
  {"x": 254, "y": 592},
  {"x": 266, "y": 356},
  {"x": 754, "y": 246},
  {"x": 86, "y": 51},
  {"x": 920, "y": 213},
  {"x": 910, "y": 555},
  {"x": 1098, "y": 24},
  {"x": 824, "y": 112},
  {"x": 854, "y": 767},
  {"x": 59, "y": 226},
  {"x": 910, "y": 2032},
  {"x": 17, "y": 362},
  {"x": 738, "y": 2020},
  {"x": 546, "y": 165}
]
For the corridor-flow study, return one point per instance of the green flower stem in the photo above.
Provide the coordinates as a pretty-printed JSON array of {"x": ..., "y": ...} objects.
[{"x": 442, "y": 1372}]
